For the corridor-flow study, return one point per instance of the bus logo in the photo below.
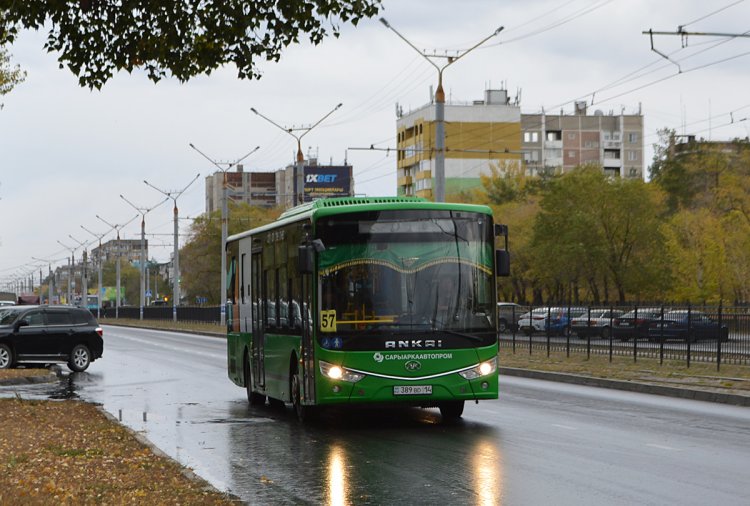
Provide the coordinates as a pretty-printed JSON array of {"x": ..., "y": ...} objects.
[
  {"x": 378, "y": 357},
  {"x": 412, "y": 365}
]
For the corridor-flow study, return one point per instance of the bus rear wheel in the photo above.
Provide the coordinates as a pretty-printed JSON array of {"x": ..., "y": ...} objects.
[
  {"x": 254, "y": 398},
  {"x": 451, "y": 410}
]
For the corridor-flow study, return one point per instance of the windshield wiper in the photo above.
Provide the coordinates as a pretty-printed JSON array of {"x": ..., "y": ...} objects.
[{"x": 461, "y": 334}]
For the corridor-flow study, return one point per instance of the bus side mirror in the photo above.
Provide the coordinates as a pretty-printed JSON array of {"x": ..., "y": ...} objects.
[
  {"x": 502, "y": 262},
  {"x": 305, "y": 262}
]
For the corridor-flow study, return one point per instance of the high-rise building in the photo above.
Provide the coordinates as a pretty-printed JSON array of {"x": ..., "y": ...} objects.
[{"x": 477, "y": 135}]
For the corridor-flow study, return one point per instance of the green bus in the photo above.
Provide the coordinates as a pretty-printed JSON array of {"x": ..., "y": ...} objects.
[{"x": 363, "y": 300}]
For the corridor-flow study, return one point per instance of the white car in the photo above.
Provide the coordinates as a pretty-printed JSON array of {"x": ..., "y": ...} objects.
[
  {"x": 533, "y": 321},
  {"x": 598, "y": 323}
]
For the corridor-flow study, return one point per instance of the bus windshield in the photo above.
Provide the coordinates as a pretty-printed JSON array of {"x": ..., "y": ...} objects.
[{"x": 406, "y": 270}]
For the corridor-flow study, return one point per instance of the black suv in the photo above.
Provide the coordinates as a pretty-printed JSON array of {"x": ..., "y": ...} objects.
[{"x": 45, "y": 334}]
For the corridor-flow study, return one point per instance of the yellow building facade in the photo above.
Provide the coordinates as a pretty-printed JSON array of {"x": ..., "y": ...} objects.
[{"x": 478, "y": 136}]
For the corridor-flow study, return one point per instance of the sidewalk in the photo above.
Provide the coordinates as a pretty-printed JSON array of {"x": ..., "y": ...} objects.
[{"x": 706, "y": 394}]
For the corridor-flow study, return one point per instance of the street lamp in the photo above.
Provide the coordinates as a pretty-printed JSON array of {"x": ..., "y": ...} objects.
[
  {"x": 174, "y": 195},
  {"x": 440, "y": 106},
  {"x": 84, "y": 278},
  {"x": 71, "y": 268},
  {"x": 117, "y": 268},
  {"x": 99, "y": 269},
  {"x": 290, "y": 131},
  {"x": 224, "y": 214},
  {"x": 50, "y": 285},
  {"x": 143, "y": 211}
]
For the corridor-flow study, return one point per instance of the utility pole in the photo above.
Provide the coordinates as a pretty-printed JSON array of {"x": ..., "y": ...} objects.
[
  {"x": 224, "y": 215},
  {"x": 51, "y": 284},
  {"x": 143, "y": 211},
  {"x": 99, "y": 269},
  {"x": 174, "y": 195},
  {"x": 84, "y": 277},
  {"x": 71, "y": 270},
  {"x": 440, "y": 105},
  {"x": 118, "y": 252},
  {"x": 300, "y": 157}
]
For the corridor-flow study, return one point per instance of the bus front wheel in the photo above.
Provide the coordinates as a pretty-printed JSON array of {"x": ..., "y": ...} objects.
[
  {"x": 304, "y": 413},
  {"x": 451, "y": 410}
]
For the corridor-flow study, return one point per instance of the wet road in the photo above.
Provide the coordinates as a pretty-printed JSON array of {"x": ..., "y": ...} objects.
[{"x": 541, "y": 443}]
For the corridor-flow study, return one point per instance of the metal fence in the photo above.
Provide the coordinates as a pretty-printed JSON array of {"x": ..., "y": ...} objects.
[
  {"x": 725, "y": 341},
  {"x": 707, "y": 334},
  {"x": 203, "y": 314}
]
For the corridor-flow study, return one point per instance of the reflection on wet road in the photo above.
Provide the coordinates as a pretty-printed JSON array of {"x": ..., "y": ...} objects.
[{"x": 541, "y": 443}]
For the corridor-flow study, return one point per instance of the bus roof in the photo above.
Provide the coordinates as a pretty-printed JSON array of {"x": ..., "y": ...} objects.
[{"x": 340, "y": 205}]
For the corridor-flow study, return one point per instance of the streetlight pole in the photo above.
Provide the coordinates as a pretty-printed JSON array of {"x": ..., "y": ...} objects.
[
  {"x": 305, "y": 131},
  {"x": 117, "y": 268},
  {"x": 84, "y": 277},
  {"x": 99, "y": 268},
  {"x": 143, "y": 211},
  {"x": 224, "y": 216},
  {"x": 440, "y": 105},
  {"x": 51, "y": 284},
  {"x": 174, "y": 195},
  {"x": 71, "y": 268}
]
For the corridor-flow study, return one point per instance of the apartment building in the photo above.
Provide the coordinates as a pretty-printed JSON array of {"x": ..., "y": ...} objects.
[
  {"x": 254, "y": 188},
  {"x": 558, "y": 143}
]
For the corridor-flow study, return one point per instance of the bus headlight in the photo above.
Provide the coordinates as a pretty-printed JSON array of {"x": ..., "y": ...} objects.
[
  {"x": 337, "y": 372},
  {"x": 483, "y": 369}
]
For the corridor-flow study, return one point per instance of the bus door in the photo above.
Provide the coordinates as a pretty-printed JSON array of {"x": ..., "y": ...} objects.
[
  {"x": 259, "y": 318},
  {"x": 308, "y": 337}
]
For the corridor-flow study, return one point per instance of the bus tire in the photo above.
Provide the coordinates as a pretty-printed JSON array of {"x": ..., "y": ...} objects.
[
  {"x": 254, "y": 398},
  {"x": 451, "y": 410},
  {"x": 304, "y": 413}
]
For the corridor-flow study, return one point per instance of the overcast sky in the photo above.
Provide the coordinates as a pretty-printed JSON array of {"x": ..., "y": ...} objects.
[{"x": 67, "y": 153}]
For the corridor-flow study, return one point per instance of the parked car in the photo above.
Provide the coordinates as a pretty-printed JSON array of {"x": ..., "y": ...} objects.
[
  {"x": 46, "y": 334},
  {"x": 4, "y": 303},
  {"x": 684, "y": 325},
  {"x": 635, "y": 324},
  {"x": 556, "y": 320},
  {"x": 597, "y": 322},
  {"x": 508, "y": 314}
]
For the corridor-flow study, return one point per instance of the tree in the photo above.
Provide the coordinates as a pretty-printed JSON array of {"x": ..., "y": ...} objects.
[
  {"x": 600, "y": 232},
  {"x": 130, "y": 280},
  {"x": 10, "y": 76},
  {"x": 96, "y": 38},
  {"x": 200, "y": 260}
]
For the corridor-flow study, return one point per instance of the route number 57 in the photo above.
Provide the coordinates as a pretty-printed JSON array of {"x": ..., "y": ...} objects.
[{"x": 328, "y": 320}]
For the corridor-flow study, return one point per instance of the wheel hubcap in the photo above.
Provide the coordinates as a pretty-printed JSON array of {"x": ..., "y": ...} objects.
[
  {"x": 80, "y": 358},
  {"x": 4, "y": 358}
]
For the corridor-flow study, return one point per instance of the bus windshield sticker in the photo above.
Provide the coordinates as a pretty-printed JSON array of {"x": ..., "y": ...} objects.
[{"x": 328, "y": 320}]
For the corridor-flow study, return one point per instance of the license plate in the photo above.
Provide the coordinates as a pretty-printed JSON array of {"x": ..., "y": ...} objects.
[{"x": 412, "y": 390}]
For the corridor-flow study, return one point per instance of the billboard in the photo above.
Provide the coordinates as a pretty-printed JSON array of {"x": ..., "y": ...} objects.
[{"x": 327, "y": 181}]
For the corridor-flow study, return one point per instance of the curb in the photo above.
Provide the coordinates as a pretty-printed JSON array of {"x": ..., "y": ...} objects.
[
  {"x": 630, "y": 386},
  {"x": 184, "y": 470},
  {"x": 52, "y": 376},
  {"x": 181, "y": 331}
]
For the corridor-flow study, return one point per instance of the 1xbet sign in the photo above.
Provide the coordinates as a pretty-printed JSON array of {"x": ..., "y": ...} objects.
[{"x": 320, "y": 178}]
